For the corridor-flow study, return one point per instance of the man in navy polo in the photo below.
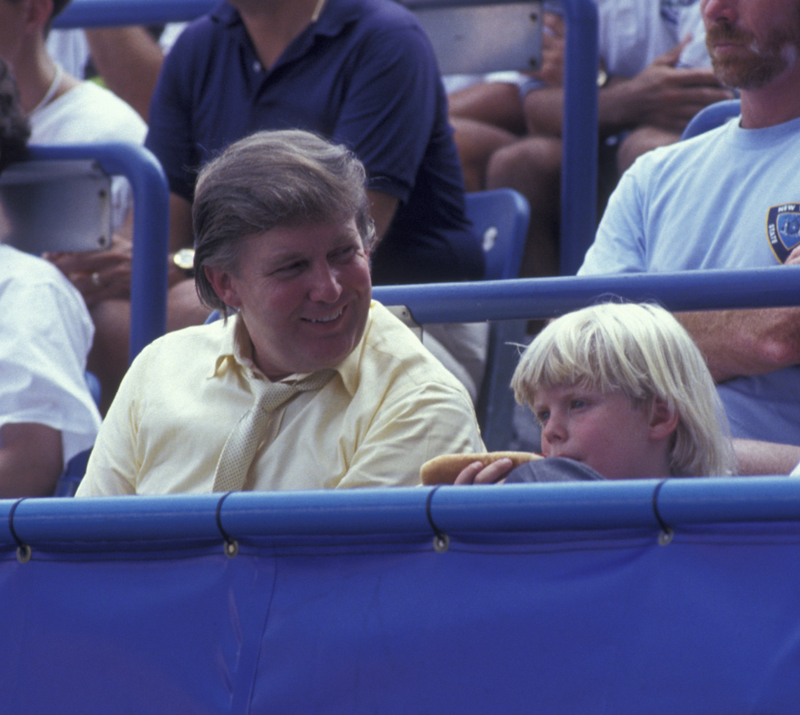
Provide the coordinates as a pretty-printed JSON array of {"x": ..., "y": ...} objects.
[{"x": 359, "y": 72}]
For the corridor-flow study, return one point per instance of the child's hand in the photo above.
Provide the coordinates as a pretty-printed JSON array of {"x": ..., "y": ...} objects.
[{"x": 476, "y": 473}]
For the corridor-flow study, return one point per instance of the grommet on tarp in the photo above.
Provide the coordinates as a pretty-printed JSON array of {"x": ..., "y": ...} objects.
[
  {"x": 23, "y": 550},
  {"x": 665, "y": 537},
  {"x": 441, "y": 541},
  {"x": 231, "y": 545}
]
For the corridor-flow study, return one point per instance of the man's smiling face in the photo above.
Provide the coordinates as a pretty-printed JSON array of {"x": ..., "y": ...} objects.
[{"x": 303, "y": 293}]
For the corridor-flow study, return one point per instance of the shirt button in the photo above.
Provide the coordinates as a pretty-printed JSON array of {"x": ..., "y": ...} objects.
[{"x": 256, "y": 67}]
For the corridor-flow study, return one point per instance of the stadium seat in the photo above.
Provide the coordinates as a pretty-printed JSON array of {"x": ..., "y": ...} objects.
[
  {"x": 500, "y": 217},
  {"x": 76, "y": 467},
  {"x": 712, "y": 116}
]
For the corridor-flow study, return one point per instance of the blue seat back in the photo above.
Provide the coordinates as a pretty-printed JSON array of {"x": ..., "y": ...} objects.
[
  {"x": 712, "y": 116},
  {"x": 500, "y": 218},
  {"x": 76, "y": 467}
]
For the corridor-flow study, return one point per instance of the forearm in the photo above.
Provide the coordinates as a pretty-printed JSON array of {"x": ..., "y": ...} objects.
[
  {"x": 754, "y": 457},
  {"x": 745, "y": 342},
  {"x": 616, "y": 109}
]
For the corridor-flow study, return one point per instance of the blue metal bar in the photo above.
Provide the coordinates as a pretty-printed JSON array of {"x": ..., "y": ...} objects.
[
  {"x": 150, "y": 228},
  {"x": 580, "y": 134},
  {"x": 109, "y": 13},
  {"x": 517, "y": 508},
  {"x": 549, "y": 297}
]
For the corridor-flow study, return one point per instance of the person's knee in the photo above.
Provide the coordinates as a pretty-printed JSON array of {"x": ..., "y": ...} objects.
[
  {"x": 525, "y": 161},
  {"x": 640, "y": 141},
  {"x": 531, "y": 166}
]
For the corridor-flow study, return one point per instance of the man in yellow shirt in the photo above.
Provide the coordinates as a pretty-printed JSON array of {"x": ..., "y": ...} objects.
[{"x": 284, "y": 235}]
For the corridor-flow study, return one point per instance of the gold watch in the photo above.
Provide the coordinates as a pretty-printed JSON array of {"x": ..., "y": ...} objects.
[{"x": 184, "y": 259}]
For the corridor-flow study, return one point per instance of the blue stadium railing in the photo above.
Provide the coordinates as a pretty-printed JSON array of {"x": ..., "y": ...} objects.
[
  {"x": 150, "y": 228},
  {"x": 622, "y": 597},
  {"x": 549, "y": 297},
  {"x": 580, "y": 132}
]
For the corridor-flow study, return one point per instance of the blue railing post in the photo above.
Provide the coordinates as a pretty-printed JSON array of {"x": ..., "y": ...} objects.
[
  {"x": 150, "y": 228},
  {"x": 580, "y": 134}
]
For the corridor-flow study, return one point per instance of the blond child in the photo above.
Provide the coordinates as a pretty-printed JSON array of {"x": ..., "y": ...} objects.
[{"x": 620, "y": 391}]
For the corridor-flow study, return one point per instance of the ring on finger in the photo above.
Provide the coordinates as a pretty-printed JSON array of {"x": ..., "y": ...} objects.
[{"x": 96, "y": 279}]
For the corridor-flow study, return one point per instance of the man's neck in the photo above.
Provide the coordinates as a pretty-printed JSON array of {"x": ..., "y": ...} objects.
[
  {"x": 776, "y": 103},
  {"x": 272, "y": 25},
  {"x": 36, "y": 73}
]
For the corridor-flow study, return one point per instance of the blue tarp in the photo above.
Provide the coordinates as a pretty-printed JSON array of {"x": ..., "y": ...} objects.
[{"x": 548, "y": 598}]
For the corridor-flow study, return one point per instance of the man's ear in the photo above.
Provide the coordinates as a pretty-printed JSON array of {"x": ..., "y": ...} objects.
[
  {"x": 663, "y": 419},
  {"x": 224, "y": 286}
]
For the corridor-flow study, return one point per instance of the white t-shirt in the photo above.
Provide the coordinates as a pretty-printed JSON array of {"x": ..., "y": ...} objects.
[
  {"x": 88, "y": 114},
  {"x": 45, "y": 336}
]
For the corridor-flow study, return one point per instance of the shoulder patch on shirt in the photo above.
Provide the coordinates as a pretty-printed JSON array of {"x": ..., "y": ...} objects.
[{"x": 783, "y": 229}]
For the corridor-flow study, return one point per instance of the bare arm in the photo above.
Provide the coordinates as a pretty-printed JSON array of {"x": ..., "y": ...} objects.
[
  {"x": 754, "y": 457},
  {"x": 745, "y": 342},
  {"x": 662, "y": 95},
  {"x": 129, "y": 60},
  {"x": 31, "y": 460}
]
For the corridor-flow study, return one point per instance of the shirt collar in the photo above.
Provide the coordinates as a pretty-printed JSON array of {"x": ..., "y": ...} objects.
[{"x": 236, "y": 353}]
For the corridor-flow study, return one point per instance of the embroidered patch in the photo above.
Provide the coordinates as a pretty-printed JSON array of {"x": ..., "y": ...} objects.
[{"x": 783, "y": 229}]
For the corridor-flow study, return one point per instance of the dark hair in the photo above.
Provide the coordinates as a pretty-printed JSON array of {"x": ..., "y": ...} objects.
[
  {"x": 271, "y": 179},
  {"x": 14, "y": 128}
]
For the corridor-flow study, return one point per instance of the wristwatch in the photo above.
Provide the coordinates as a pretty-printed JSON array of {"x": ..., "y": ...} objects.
[{"x": 184, "y": 259}]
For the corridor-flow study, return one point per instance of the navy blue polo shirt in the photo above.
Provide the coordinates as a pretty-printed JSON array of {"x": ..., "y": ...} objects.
[{"x": 363, "y": 75}]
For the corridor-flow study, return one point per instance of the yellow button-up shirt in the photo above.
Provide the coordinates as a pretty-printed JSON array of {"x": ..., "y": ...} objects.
[{"x": 390, "y": 407}]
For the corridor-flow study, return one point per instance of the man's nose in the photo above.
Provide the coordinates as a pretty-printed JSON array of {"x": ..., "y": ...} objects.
[
  {"x": 325, "y": 284},
  {"x": 719, "y": 10}
]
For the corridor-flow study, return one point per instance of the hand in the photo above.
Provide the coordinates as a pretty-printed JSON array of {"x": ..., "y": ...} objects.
[
  {"x": 98, "y": 275},
  {"x": 794, "y": 257},
  {"x": 663, "y": 95},
  {"x": 553, "y": 43},
  {"x": 476, "y": 473}
]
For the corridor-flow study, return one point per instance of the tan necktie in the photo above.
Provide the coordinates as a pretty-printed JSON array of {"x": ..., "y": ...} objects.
[{"x": 240, "y": 447}]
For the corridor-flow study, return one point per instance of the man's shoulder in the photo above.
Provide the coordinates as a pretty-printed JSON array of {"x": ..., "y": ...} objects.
[
  {"x": 89, "y": 113},
  {"x": 392, "y": 349},
  {"x": 682, "y": 155},
  {"x": 186, "y": 351}
]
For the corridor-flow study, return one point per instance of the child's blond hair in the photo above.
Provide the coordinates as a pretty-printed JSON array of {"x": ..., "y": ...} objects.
[{"x": 641, "y": 351}]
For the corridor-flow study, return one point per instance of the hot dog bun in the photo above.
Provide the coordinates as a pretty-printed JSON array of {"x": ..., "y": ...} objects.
[{"x": 446, "y": 467}]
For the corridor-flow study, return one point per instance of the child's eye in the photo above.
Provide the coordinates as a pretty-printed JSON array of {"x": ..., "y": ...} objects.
[
  {"x": 577, "y": 404},
  {"x": 542, "y": 416}
]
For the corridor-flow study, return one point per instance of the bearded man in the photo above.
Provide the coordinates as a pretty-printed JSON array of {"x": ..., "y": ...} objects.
[{"x": 728, "y": 199}]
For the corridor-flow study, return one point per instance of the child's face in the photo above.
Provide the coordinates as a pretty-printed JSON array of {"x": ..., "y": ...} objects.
[{"x": 604, "y": 431}]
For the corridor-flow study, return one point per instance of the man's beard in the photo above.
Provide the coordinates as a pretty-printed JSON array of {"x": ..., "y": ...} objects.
[{"x": 761, "y": 64}]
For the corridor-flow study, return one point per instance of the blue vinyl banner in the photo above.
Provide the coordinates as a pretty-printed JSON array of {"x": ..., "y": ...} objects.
[{"x": 478, "y": 599}]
